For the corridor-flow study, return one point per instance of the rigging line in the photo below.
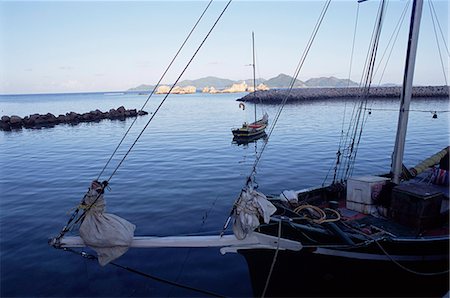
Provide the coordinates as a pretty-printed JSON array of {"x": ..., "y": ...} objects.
[
  {"x": 83, "y": 215},
  {"x": 274, "y": 260},
  {"x": 407, "y": 269},
  {"x": 341, "y": 139},
  {"x": 171, "y": 88},
  {"x": 254, "y": 68},
  {"x": 396, "y": 32},
  {"x": 367, "y": 82},
  {"x": 437, "y": 43},
  {"x": 188, "y": 254},
  {"x": 376, "y": 241},
  {"x": 294, "y": 78},
  {"x": 155, "y": 87},
  {"x": 309, "y": 44},
  {"x": 364, "y": 121},
  {"x": 409, "y": 110},
  {"x": 159, "y": 279},
  {"x": 440, "y": 29},
  {"x": 300, "y": 64},
  {"x": 280, "y": 109}
]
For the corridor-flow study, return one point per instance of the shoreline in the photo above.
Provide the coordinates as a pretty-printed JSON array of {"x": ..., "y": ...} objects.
[{"x": 300, "y": 94}]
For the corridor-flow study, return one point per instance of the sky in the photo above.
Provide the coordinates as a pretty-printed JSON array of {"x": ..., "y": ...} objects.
[{"x": 88, "y": 46}]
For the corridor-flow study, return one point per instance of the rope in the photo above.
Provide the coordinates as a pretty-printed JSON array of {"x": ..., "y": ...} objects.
[
  {"x": 146, "y": 275},
  {"x": 396, "y": 32},
  {"x": 280, "y": 109},
  {"x": 437, "y": 43},
  {"x": 410, "y": 110},
  {"x": 439, "y": 26},
  {"x": 358, "y": 120},
  {"x": 407, "y": 269},
  {"x": 322, "y": 214},
  {"x": 274, "y": 260},
  {"x": 294, "y": 78},
  {"x": 391, "y": 258},
  {"x": 69, "y": 225},
  {"x": 171, "y": 88},
  {"x": 154, "y": 89},
  {"x": 338, "y": 153},
  {"x": 188, "y": 254}
]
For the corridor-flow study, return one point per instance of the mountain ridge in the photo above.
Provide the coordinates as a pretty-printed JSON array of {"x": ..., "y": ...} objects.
[{"x": 280, "y": 81}]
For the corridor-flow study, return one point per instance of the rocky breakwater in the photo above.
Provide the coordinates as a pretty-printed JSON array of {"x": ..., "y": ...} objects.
[
  {"x": 50, "y": 120},
  {"x": 300, "y": 94}
]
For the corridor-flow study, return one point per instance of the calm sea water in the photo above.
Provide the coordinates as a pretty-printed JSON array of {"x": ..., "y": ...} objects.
[{"x": 181, "y": 178}]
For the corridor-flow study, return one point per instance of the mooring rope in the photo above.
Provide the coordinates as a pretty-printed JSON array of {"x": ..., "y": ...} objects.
[
  {"x": 146, "y": 275},
  {"x": 274, "y": 260},
  {"x": 383, "y": 250}
]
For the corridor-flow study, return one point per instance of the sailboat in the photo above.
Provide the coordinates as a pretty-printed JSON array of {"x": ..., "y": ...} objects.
[
  {"x": 251, "y": 131},
  {"x": 375, "y": 235}
]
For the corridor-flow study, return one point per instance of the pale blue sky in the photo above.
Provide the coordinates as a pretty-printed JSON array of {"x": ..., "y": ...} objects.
[{"x": 82, "y": 46}]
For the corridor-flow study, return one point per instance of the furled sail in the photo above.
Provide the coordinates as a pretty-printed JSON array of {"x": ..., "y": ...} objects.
[
  {"x": 109, "y": 235},
  {"x": 250, "y": 207},
  {"x": 429, "y": 162}
]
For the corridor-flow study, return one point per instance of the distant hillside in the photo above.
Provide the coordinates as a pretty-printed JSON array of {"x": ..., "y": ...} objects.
[
  {"x": 249, "y": 82},
  {"x": 280, "y": 81},
  {"x": 330, "y": 82},
  {"x": 142, "y": 87},
  {"x": 283, "y": 81},
  {"x": 217, "y": 83}
]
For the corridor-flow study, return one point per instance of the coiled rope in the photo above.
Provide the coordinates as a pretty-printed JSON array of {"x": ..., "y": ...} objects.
[{"x": 321, "y": 212}]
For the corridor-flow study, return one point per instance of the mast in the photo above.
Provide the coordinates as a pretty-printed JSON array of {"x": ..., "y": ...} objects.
[
  {"x": 254, "y": 75},
  {"x": 406, "y": 94}
]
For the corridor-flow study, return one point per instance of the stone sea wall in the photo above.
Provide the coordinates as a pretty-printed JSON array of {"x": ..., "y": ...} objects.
[
  {"x": 50, "y": 120},
  {"x": 299, "y": 94}
]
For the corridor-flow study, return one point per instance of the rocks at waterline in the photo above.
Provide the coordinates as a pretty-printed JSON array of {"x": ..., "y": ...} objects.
[
  {"x": 50, "y": 120},
  {"x": 275, "y": 96}
]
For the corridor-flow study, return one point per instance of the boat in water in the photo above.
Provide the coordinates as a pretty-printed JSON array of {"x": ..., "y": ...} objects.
[
  {"x": 250, "y": 132},
  {"x": 374, "y": 235}
]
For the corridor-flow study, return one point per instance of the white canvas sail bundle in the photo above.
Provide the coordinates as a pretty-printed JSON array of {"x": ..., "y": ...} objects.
[
  {"x": 108, "y": 234},
  {"x": 251, "y": 206}
]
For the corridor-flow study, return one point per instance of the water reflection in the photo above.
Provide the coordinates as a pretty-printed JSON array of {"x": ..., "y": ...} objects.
[{"x": 248, "y": 140}]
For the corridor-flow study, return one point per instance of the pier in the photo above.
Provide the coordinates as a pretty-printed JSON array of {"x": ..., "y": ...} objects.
[{"x": 274, "y": 96}]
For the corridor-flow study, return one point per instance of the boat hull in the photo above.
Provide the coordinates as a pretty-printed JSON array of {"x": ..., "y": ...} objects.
[{"x": 325, "y": 272}]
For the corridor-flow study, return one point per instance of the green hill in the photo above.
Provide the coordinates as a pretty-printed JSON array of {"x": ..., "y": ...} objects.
[
  {"x": 283, "y": 81},
  {"x": 330, "y": 82},
  {"x": 280, "y": 81},
  {"x": 215, "y": 82}
]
